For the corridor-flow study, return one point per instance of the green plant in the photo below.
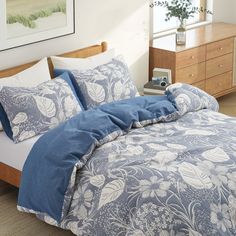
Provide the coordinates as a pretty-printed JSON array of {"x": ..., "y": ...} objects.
[{"x": 181, "y": 9}]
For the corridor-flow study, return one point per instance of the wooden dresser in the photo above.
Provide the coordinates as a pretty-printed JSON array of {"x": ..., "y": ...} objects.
[{"x": 206, "y": 61}]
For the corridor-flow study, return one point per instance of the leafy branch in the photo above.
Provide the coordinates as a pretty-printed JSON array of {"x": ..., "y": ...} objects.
[{"x": 181, "y": 9}]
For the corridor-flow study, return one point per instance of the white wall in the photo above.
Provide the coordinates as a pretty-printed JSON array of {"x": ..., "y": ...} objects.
[
  {"x": 123, "y": 24},
  {"x": 224, "y": 11}
]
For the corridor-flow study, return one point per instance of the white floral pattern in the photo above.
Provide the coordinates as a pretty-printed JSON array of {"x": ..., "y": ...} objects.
[
  {"x": 168, "y": 187},
  {"x": 106, "y": 83},
  {"x": 33, "y": 111},
  {"x": 171, "y": 185}
]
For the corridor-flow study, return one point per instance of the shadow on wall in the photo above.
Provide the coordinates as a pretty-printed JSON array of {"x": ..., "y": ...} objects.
[{"x": 138, "y": 68}]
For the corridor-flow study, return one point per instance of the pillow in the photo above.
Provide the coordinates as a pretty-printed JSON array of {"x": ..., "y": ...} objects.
[
  {"x": 4, "y": 118},
  {"x": 33, "y": 111},
  {"x": 106, "y": 83},
  {"x": 82, "y": 63},
  {"x": 59, "y": 72},
  {"x": 30, "y": 77}
]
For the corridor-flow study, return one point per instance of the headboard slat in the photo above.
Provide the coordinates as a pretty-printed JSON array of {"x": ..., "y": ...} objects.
[{"x": 80, "y": 53}]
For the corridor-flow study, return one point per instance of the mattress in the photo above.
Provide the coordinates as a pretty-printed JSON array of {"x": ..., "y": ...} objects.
[{"x": 15, "y": 155}]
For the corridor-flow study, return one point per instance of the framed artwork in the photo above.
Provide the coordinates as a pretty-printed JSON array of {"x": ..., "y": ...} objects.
[{"x": 24, "y": 22}]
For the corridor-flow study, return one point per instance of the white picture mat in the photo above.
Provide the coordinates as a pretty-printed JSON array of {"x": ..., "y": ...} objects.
[{"x": 6, "y": 43}]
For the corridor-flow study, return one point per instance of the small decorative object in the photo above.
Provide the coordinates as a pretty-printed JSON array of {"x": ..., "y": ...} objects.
[
  {"x": 25, "y": 22},
  {"x": 160, "y": 81},
  {"x": 161, "y": 75},
  {"x": 182, "y": 10}
]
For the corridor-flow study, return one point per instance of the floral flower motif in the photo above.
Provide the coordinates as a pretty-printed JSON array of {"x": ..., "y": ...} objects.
[
  {"x": 220, "y": 216},
  {"x": 216, "y": 173},
  {"x": 84, "y": 198},
  {"x": 232, "y": 210},
  {"x": 153, "y": 188},
  {"x": 232, "y": 181},
  {"x": 163, "y": 161},
  {"x": 153, "y": 218}
]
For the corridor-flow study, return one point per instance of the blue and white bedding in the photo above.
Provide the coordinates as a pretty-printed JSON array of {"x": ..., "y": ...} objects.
[{"x": 142, "y": 166}]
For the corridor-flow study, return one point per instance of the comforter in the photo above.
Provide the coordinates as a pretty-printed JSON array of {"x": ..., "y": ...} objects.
[{"x": 143, "y": 166}]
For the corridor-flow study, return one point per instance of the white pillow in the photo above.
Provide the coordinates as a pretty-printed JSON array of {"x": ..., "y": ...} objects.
[
  {"x": 65, "y": 63},
  {"x": 30, "y": 77}
]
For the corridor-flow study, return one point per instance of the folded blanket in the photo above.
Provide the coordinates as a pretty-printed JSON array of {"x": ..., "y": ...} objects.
[{"x": 188, "y": 98}]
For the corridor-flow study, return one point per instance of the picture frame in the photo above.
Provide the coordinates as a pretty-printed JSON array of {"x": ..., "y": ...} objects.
[
  {"x": 35, "y": 21},
  {"x": 161, "y": 73}
]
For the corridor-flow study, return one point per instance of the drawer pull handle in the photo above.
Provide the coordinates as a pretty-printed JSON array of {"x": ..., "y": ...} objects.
[
  {"x": 192, "y": 57},
  {"x": 220, "y": 65},
  {"x": 220, "y": 48},
  {"x": 191, "y": 75}
]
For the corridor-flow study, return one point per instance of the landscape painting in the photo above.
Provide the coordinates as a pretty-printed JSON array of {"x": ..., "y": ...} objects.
[{"x": 29, "y": 21}]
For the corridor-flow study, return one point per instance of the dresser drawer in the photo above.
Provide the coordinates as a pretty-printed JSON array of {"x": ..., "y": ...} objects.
[
  {"x": 219, "y": 48},
  {"x": 200, "y": 85},
  {"x": 219, "y": 83},
  {"x": 219, "y": 65},
  {"x": 191, "y": 74},
  {"x": 190, "y": 57}
]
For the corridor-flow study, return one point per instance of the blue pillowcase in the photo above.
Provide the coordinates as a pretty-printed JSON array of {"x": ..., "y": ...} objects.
[
  {"x": 105, "y": 83},
  {"x": 5, "y": 122},
  {"x": 79, "y": 94},
  {"x": 3, "y": 116},
  {"x": 67, "y": 77}
]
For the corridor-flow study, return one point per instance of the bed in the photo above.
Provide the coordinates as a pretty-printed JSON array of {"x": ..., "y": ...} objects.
[
  {"x": 9, "y": 173},
  {"x": 146, "y": 165}
]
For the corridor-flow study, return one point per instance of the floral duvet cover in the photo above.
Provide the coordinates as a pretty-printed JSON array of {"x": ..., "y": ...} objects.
[{"x": 169, "y": 178}]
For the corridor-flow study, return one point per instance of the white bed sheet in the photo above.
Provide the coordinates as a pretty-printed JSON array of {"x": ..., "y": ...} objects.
[{"x": 15, "y": 155}]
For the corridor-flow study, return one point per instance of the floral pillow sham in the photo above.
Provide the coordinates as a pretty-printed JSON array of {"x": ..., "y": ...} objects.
[
  {"x": 33, "y": 111},
  {"x": 105, "y": 83}
]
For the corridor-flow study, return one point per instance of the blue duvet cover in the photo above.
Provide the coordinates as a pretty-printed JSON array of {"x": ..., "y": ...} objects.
[{"x": 143, "y": 166}]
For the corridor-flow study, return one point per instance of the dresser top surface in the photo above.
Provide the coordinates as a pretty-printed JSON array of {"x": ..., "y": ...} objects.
[{"x": 196, "y": 37}]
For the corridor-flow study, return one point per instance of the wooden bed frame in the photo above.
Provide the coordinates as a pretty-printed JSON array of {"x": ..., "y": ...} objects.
[{"x": 9, "y": 174}]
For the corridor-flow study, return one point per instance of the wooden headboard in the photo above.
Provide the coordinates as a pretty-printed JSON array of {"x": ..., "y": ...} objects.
[{"x": 81, "y": 53}]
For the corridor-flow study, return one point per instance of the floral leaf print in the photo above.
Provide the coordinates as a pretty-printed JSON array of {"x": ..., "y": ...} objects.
[
  {"x": 97, "y": 180},
  {"x": 96, "y": 92},
  {"x": 193, "y": 176},
  {"x": 199, "y": 132},
  {"x": 69, "y": 106},
  {"x": 134, "y": 150},
  {"x": 15, "y": 131},
  {"x": 164, "y": 157},
  {"x": 157, "y": 147},
  {"x": 192, "y": 232},
  {"x": 118, "y": 90},
  {"x": 111, "y": 192},
  {"x": 232, "y": 210},
  {"x": 46, "y": 106},
  {"x": 20, "y": 117},
  {"x": 26, "y": 134},
  {"x": 176, "y": 146},
  {"x": 216, "y": 155}
]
